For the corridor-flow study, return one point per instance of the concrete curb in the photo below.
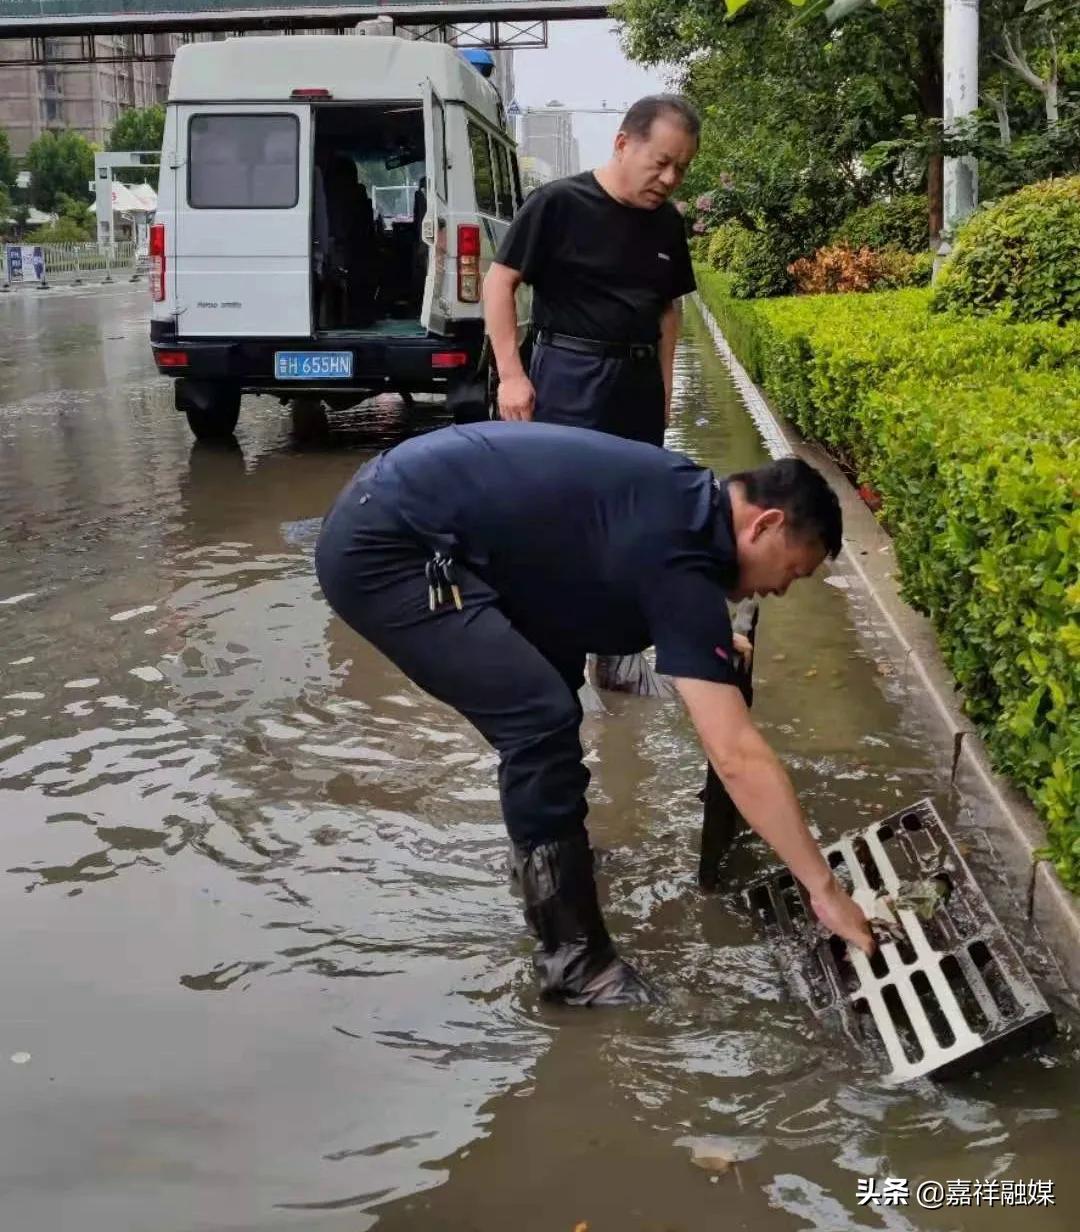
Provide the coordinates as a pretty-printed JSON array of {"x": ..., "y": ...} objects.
[{"x": 991, "y": 803}]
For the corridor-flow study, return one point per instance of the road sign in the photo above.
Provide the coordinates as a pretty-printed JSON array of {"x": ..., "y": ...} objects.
[{"x": 24, "y": 263}]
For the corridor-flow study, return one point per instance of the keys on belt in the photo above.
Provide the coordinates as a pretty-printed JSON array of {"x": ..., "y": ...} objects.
[{"x": 441, "y": 582}]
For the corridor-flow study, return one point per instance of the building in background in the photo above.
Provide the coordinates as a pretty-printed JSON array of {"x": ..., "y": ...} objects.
[
  {"x": 547, "y": 134},
  {"x": 85, "y": 97}
]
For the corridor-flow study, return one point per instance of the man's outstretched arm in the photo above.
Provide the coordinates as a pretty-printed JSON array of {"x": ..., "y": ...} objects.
[{"x": 762, "y": 792}]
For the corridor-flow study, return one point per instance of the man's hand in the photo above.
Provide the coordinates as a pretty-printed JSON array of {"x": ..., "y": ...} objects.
[
  {"x": 516, "y": 398},
  {"x": 841, "y": 915}
]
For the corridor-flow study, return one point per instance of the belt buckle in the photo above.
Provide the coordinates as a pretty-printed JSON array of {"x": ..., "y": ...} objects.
[{"x": 640, "y": 352}]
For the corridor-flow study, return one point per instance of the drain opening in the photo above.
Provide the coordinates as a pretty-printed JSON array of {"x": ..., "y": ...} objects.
[
  {"x": 878, "y": 965},
  {"x": 935, "y": 930},
  {"x": 849, "y": 981},
  {"x": 995, "y": 982},
  {"x": 796, "y": 909},
  {"x": 962, "y": 991},
  {"x": 911, "y": 822},
  {"x": 905, "y": 1032},
  {"x": 761, "y": 902},
  {"x": 867, "y": 863},
  {"x": 865, "y": 1024},
  {"x": 939, "y": 1022},
  {"x": 885, "y": 833}
]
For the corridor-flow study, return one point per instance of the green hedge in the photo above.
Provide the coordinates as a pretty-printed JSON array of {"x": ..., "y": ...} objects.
[
  {"x": 1019, "y": 257},
  {"x": 969, "y": 429}
]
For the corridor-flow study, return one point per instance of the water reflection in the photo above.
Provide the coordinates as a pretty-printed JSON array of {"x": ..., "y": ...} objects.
[{"x": 258, "y": 937}]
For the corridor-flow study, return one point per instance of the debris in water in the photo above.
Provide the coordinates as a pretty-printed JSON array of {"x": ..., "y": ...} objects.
[
  {"x": 20, "y": 1058},
  {"x": 717, "y": 1154},
  {"x": 811, "y": 673},
  {"x": 922, "y": 897},
  {"x": 131, "y": 613}
]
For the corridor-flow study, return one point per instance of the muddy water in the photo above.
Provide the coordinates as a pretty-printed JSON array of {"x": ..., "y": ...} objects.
[{"x": 256, "y": 937}]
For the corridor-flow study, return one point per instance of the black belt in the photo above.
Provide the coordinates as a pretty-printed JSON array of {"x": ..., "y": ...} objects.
[{"x": 592, "y": 346}]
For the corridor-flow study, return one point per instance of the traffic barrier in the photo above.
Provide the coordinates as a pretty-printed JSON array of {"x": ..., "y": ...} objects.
[{"x": 75, "y": 265}]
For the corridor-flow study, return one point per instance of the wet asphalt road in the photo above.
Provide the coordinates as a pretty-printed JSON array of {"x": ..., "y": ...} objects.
[{"x": 256, "y": 935}]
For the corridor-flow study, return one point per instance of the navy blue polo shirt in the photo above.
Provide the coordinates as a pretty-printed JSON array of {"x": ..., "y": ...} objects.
[{"x": 593, "y": 543}]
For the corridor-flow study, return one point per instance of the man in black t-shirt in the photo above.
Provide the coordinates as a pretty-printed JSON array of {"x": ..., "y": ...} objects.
[
  {"x": 487, "y": 561},
  {"x": 606, "y": 256}
]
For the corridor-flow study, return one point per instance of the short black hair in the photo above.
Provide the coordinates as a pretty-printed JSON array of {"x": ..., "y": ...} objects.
[
  {"x": 639, "y": 120},
  {"x": 810, "y": 506}
]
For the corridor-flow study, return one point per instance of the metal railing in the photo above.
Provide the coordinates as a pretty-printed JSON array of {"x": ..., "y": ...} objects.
[{"x": 76, "y": 264}]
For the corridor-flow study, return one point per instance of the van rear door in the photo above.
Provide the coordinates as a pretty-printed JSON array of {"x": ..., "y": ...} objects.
[
  {"x": 243, "y": 229},
  {"x": 435, "y": 311}
]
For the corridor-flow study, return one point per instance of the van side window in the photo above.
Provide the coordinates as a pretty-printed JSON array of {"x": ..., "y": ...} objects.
[
  {"x": 438, "y": 154},
  {"x": 505, "y": 189},
  {"x": 483, "y": 172},
  {"x": 238, "y": 162}
]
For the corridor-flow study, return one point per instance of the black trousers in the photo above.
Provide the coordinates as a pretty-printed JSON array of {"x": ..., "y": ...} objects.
[
  {"x": 522, "y": 700},
  {"x": 622, "y": 396}
]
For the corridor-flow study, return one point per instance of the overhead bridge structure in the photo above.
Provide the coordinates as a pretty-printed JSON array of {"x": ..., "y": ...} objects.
[{"x": 466, "y": 23}]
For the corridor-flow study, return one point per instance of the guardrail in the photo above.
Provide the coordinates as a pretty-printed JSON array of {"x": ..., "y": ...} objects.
[{"x": 76, "y": 264}]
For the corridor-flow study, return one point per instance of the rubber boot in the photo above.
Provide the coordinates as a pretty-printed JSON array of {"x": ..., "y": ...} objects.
[{"x": 575, "y": 960}]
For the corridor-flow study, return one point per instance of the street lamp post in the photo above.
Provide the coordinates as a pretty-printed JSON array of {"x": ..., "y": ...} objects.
[{"x": 961, "y": 64}]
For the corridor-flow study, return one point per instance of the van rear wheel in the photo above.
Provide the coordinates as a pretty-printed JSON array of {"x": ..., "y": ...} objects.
[
  {"x": 212, "y": 410},
  {"x": 475, "y": 399}
]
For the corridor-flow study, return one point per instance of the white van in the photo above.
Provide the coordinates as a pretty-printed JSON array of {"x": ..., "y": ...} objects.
[{"x": 326, "y": 210}]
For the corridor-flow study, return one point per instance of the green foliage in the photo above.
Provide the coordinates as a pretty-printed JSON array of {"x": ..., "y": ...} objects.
[
  {"x": 899, "y": 223},
  {"x": 63, "y": 231},
  {"x": 789, "y": 113},
  {"x": 140, "y": 129},
  {"x": 1020, "y": 257},
  {"x": 759, "y": 264},
  {"x": 722, "y": 243},
  {"x": 59, "y": 163},
  {"x": 968, "y": 428}
]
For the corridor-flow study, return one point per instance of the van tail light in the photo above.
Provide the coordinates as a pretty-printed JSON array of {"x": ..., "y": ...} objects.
[
  {"x": 172, "y": 359},
  {"x": 157, "y": 262},
  {"x": 468, "y": 264},
  {"x": 449, "y": 359}
]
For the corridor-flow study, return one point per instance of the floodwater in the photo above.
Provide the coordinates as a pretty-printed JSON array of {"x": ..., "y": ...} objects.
[{"x": 261, "y": 967}]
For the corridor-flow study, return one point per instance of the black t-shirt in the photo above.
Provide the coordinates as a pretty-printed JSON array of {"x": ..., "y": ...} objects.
[
  {"x": 598, "y": 268},
  {"x": 593, "y": 543}
]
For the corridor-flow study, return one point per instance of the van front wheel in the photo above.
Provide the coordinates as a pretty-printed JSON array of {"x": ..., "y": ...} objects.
[{"x": 211, "y": 409}]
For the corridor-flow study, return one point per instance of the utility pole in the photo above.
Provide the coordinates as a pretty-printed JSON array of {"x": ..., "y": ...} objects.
[{"x": 961, "y": 189}]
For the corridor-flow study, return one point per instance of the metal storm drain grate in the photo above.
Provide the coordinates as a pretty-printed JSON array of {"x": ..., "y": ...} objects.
[{"x": 945, "y": 992}]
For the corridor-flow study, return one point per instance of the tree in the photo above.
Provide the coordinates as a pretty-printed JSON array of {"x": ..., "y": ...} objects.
[
  {"x": 59, "y": 163},
  {"x": 140, "y": 129},
  {"x": 790, "y": 109},
  {"x": 7, "y": 162}
]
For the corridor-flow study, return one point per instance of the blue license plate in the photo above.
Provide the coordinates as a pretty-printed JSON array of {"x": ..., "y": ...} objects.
[{"x": 312, "y": 365}]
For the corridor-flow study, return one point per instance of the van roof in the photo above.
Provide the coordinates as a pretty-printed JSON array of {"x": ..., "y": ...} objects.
[{"x": 351, "y": 67}]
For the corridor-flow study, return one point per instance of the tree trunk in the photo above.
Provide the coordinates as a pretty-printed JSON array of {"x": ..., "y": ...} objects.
[
  {"x": 935, "y": 193},
  {"x": 1050, "y": 97}
]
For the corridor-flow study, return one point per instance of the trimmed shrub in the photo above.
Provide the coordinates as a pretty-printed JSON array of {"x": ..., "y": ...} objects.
[
  {"x": 759, "y": 265},
  {"x": 722, "y": 243},
  {"x": 968, "y": 428},
  {"x": 842, "y": 270},
  {"x": 903, "y": 222},
  {"x": 1020, "y": 257}
]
